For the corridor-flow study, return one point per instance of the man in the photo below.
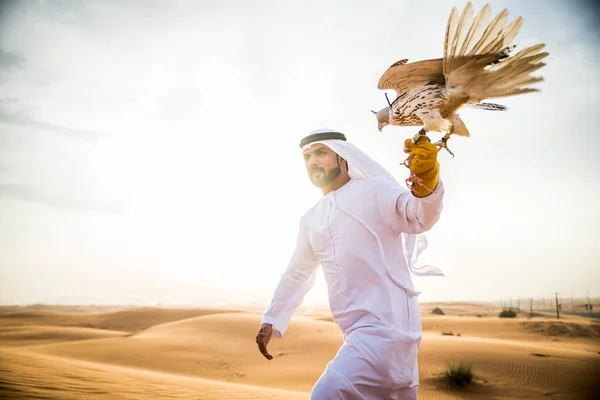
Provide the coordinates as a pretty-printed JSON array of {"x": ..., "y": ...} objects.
[{"x": 355, "y": 233}]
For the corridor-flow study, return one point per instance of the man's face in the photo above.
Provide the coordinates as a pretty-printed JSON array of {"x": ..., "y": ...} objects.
[{"x": 321, "y": 164}]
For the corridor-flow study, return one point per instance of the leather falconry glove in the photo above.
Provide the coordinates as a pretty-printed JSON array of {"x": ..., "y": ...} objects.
[{"x": 423, "y": 164}]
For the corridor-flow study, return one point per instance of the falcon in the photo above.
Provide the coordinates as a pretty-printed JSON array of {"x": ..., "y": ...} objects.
[{"x": 477, "y": 65}]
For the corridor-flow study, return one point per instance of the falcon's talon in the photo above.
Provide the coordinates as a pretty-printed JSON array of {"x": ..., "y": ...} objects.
[{"x": 443, "y": 144}]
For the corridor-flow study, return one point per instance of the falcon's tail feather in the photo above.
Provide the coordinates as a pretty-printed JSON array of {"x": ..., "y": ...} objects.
[
  {"x": 458, "y": 126},
  {"x": 477, "y": 63},
  {"x": 487, "y": 106}
]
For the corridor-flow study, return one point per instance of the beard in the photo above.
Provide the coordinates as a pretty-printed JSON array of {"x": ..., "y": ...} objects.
[{"x": 327, "y": 178}]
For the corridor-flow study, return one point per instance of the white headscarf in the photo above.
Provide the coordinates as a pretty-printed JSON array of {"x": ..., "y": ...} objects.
[{"x": 361, "y": 166}]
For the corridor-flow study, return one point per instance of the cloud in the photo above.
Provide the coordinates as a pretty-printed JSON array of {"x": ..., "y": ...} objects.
[
  {"x": 32, "y": 194},
  {"x": 20, "y": 118},
  {"x": 10, "y": 61},
  {"x": 591, "y": 10}
]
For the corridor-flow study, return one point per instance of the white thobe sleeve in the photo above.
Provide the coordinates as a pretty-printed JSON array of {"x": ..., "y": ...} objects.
[
  {"x": 296, "y": 281},
  {"x": 405, "y": 212}
]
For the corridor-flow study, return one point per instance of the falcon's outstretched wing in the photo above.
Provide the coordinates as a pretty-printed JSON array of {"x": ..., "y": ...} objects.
[{"x": 402, "y": 77}]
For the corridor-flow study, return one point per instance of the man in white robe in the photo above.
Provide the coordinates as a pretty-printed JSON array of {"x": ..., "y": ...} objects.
[{"x": 357, "y": 233}]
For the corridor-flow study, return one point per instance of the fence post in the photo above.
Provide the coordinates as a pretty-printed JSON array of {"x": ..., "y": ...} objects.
[{"x": 531, "y": 307}]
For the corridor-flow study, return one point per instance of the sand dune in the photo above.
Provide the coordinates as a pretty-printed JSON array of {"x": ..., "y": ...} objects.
[
  {"x": 537, "y": 366},
  {"x": 219, "y": 346},
  {"x": 213, "y": 355},
  {"x": 36, "y": 335},
  {"x": 128, "y": 320},
  {"x": 29, "y": 375},
  {"x": 516, "y": 328}
]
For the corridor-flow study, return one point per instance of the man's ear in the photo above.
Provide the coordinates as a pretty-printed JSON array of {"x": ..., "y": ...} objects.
[{"x": 344, "y": 161}]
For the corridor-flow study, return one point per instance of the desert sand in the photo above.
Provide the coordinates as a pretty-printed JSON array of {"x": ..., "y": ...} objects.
[{"x": 156, "y": 353}]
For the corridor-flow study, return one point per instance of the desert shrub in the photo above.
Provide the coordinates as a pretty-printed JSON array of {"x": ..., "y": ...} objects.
[
  {"x": 460, "y": 375},
  {"x": 437, "y": 311},
  {"x": 510, "y": 313}
]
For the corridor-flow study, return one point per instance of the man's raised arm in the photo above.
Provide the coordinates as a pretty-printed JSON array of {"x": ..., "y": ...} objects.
[{"x": 416, "y": 210}]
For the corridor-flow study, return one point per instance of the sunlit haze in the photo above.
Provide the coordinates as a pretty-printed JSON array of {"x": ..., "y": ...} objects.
[{"x": 149, "y": 149}]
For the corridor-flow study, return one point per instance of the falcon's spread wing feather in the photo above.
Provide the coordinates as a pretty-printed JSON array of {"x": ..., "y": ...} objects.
[
  {"x": 476, "y": 62},
  {"x": 402, "y": 77}
]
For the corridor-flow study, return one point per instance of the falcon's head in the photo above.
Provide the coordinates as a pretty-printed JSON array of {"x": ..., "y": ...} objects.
[{"x": 383, "y": 117}]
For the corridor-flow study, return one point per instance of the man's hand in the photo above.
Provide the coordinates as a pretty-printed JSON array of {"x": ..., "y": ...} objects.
[
  {"x": 262, "y": 339},
  {"x": 423, "y": 163}
]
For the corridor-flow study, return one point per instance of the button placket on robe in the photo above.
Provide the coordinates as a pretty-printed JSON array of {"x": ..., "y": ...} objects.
[{"x": 335, "y": 265}]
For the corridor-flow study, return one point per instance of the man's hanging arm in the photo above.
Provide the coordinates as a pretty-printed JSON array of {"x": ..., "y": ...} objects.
[{"x": 295, "y": 283}]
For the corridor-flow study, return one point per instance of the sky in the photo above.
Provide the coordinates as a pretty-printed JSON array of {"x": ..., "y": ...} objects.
[{"x": 149, "y": 149}]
